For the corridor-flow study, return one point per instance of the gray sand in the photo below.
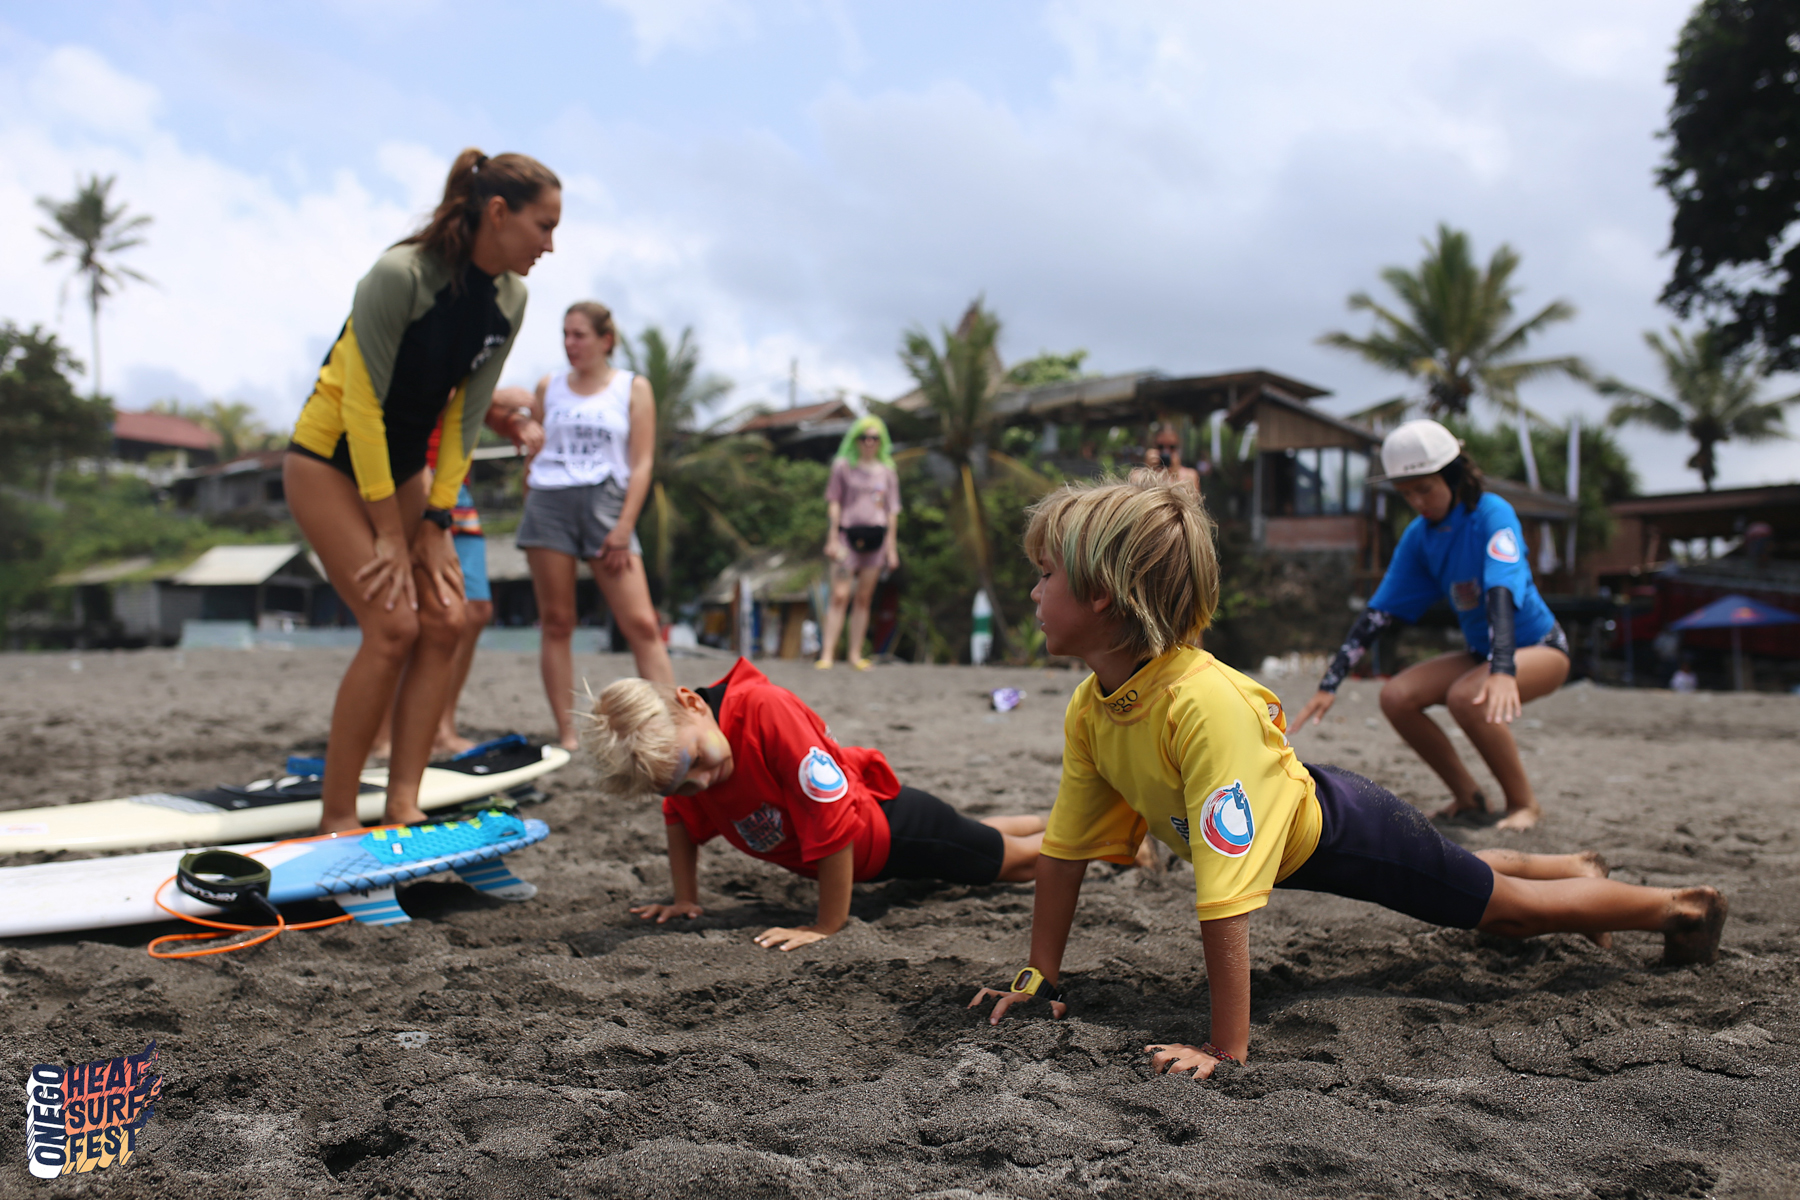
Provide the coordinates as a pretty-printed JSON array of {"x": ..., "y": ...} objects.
[{"x": 575, "y": 1051}]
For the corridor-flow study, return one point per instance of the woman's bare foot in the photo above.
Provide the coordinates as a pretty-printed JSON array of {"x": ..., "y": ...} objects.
[
  {"x": 379, "y": 754},
  {"x": 327, "y": 828},
  {"x": 410, "y": 814},
  {"x": 1150, "y": 856},
  {"x": 571, "y": 743},
  {"x": 1520, "y": 819},
  {"x": 1693, "y": 932},
  {"x": 1594, "y": 865},
  {"x": 450, "y": 746}
]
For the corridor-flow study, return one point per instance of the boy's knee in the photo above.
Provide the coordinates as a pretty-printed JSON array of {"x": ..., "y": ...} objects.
[
  {"x": 442, "y": 624},
  {"x": 1397, "y": 698}
]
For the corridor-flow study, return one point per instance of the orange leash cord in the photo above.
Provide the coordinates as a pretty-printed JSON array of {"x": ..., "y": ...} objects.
[{"x": 266, "y": 932}]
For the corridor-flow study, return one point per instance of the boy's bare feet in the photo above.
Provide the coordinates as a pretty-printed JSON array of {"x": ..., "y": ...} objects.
[
  {"x": 1520, "y": 819},
  {"x": 1150, "y": 856},
  {"x": 1595, "y": 866},
  {"x": 449, "y": 747},
  {"x": 1693, "y": 932}
]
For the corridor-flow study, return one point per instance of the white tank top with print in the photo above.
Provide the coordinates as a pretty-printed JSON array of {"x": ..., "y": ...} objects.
[{"x": 586, "y": 438}]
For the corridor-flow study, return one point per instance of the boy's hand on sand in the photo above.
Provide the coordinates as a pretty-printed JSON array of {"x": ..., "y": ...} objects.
[
  {"x": 789, "y": 939},
  {"x": 1175, "y": 1058},
  {"x": 1315, "y": 709},
  {"x": 1008, "y": 999},
  {"x": 660, "y": 913}
]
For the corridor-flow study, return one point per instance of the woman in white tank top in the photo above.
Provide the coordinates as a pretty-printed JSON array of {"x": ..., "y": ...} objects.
[{"x": 586, "y": 488}]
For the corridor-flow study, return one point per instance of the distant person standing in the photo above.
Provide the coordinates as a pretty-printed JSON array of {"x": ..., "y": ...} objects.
[
  {"x": 427, "y": 336},
  {"x": 586, "y": 488},
  {"x": 862, "y": 503},
  {"x": 1467, "y": 547},
  {"x": 1164, "y": 455}
]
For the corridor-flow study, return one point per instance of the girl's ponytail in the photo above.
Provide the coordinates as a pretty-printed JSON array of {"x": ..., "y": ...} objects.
[{"x": 474, "y": 180}]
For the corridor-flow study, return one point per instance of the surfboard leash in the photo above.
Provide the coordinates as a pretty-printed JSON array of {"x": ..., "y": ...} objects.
[{"x": 226, "y": 878}]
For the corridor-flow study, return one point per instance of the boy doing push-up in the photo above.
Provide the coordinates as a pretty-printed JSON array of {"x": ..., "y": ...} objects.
[
  {"x": 749, "y": 761},
  {"x": 1165, "y": 739}
]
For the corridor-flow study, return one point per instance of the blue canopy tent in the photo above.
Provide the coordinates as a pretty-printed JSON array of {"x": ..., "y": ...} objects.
[{"x": 1736, "y": 613}]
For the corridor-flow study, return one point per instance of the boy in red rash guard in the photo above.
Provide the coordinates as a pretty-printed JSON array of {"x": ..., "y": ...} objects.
[{"x": 749, "y": 761}]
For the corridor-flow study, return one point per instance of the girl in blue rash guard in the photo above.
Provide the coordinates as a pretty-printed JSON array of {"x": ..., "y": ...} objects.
[{"x": 1469, "y": 548}]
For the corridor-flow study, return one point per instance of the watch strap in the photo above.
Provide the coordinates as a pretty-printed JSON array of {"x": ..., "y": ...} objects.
[{"x": 441, "y": 517}]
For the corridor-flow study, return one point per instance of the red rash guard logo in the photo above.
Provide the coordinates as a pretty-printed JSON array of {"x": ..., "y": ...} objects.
[
  {"x": 87, "y": 1117},
  {"x": 821, "y": 778}
]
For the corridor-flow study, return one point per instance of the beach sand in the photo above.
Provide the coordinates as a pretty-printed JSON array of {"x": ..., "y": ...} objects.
[{"x": 573, "y": 1050}]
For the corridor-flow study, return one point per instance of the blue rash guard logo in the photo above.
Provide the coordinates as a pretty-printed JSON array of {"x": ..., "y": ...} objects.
[
  {"x": 1226, "y": 823},
  {"x": 821, "y": 778},
  {"x": 1503, "y": 546}
]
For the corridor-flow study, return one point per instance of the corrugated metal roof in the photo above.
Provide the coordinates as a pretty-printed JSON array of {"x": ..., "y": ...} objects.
[{"x": 229, "y": 566}]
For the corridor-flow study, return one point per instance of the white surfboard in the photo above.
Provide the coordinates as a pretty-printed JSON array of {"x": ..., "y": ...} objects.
[
  {"x": 360, "y": 871},
  {"x": 268, "y": 808}
]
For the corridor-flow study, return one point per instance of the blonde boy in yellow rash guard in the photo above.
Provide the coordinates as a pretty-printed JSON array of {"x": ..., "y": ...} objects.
[{"x": 1165, "y": 739}]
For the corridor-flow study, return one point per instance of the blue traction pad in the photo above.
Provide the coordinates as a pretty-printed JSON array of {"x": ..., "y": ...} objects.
[{"x": 338, "y": 865}]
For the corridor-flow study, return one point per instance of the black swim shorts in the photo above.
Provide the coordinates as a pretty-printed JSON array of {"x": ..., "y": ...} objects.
[
  {"x": 1376, "y": 847},
  {"x": 927, "y": 839}
]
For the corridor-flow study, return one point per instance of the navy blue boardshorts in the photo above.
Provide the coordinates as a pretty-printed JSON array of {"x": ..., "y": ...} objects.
[
  {"x": 927, "y": 839},
  {"x": 1375, "y": 846}
]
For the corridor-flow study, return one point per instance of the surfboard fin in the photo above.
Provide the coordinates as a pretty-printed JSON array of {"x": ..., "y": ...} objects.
[
  {"x": 377, "y": 906},
  {"x": 495, "y": 878}
]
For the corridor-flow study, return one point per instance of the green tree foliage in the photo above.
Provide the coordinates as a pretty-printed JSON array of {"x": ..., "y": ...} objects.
[
  {"x": 43, "y": 421},
  {"x": 959, "y": 381},
  {"x": 240, "y": 430},
  {"x": 89, "y": 231},
  {"x": 1606, "y": 472},
  {"x": 1713, "y": 397},
  {"x": 1453, "y": 330},
  {"x": 1047, "y": 368},
  {"x": 1733, "y": 170},
  {"x": 701, "y": 473}
]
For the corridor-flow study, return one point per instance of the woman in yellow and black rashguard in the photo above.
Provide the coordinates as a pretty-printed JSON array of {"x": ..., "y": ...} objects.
[{"x": 428, "y": 333}]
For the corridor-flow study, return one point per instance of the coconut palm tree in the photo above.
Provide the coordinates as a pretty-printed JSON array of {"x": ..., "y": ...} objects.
[
  {"x": 959, "y": 383},
  {"x": 673, "y": 373},
  {"x": 1713, "y": 398},
  {"x": 89, "y": 232},
  {"x": 1451, "y": 330}
]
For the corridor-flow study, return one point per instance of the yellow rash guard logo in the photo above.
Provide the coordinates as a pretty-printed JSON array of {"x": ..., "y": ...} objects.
[
  {"x": 1124, "y": 703},
  {"x": 87, "y": 1117}
]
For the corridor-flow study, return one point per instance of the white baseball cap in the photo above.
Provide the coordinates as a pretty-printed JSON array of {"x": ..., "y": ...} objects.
[{"x": 1417, "y": 448}]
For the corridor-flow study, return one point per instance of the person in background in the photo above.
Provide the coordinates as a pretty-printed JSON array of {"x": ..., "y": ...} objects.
[
  {"x": 862, "y": 502},
  {"x": 427, "y": 337},
  {"x": 586, "y": 488},
  {"x": 1684, "y": 679},
  {"x": 1164, "y": 455},
  {"x": 1467, "y": 547}
]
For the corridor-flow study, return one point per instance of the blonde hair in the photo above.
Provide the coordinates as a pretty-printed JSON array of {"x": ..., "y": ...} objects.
[
  {"x": 631, "y": 737},
  {"x": 1146, "y": 544}
]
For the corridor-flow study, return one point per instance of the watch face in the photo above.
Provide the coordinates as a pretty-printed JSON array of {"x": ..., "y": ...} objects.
[{"x": 1022, "y": 981}]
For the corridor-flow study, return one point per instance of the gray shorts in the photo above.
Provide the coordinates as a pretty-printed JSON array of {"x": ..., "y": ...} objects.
[{"x": 573, "y": 521}]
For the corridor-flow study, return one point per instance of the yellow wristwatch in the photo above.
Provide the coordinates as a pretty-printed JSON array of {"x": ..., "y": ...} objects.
[{"x": 1030, "y": 980}]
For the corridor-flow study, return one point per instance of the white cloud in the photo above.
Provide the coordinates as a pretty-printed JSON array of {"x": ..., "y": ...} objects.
[
  {"x": 76, "y": 85},
  {"x": 659, "y": 25}
]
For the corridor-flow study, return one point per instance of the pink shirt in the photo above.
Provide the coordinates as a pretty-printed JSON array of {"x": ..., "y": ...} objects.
[{"x": 866, "y": 495}]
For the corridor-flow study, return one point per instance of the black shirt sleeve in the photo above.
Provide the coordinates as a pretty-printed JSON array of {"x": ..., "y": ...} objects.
[
  {"x": 1368, "y": 627},
  {"x": 1500, "y": 630}
]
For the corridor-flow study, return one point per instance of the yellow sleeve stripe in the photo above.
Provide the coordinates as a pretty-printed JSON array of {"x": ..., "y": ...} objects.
[
  {"x": 364, "y": 424},
  {"x": 453, "y": 460},
  {"x": 1119, "y": 852}
]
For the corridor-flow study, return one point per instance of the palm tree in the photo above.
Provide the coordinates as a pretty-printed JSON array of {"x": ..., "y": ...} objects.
[
  {"x": 90, "y": 233},
  {"x": 959, "y": 383},
  {"x": 1453, "y": 332},
  {"x": 1714, "y": 398},
  {"x": 681, "y": 392}
]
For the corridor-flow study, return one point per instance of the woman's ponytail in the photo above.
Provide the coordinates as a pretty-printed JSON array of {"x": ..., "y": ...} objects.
[{"x": 474, "y": 180}]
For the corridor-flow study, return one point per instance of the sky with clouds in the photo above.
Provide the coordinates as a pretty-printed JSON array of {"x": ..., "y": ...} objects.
[{"x": 1189, "y": 187}]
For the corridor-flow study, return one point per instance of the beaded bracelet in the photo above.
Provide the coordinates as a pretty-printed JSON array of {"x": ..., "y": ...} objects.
[{"x": 1219, "y": 1054}]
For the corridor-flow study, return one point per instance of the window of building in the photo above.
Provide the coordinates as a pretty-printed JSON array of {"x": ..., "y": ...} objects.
[{"x": 1314, "y": 481}]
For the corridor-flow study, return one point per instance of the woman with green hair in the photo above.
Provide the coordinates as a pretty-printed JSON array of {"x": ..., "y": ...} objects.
[{"x": 863, "y": 500}]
